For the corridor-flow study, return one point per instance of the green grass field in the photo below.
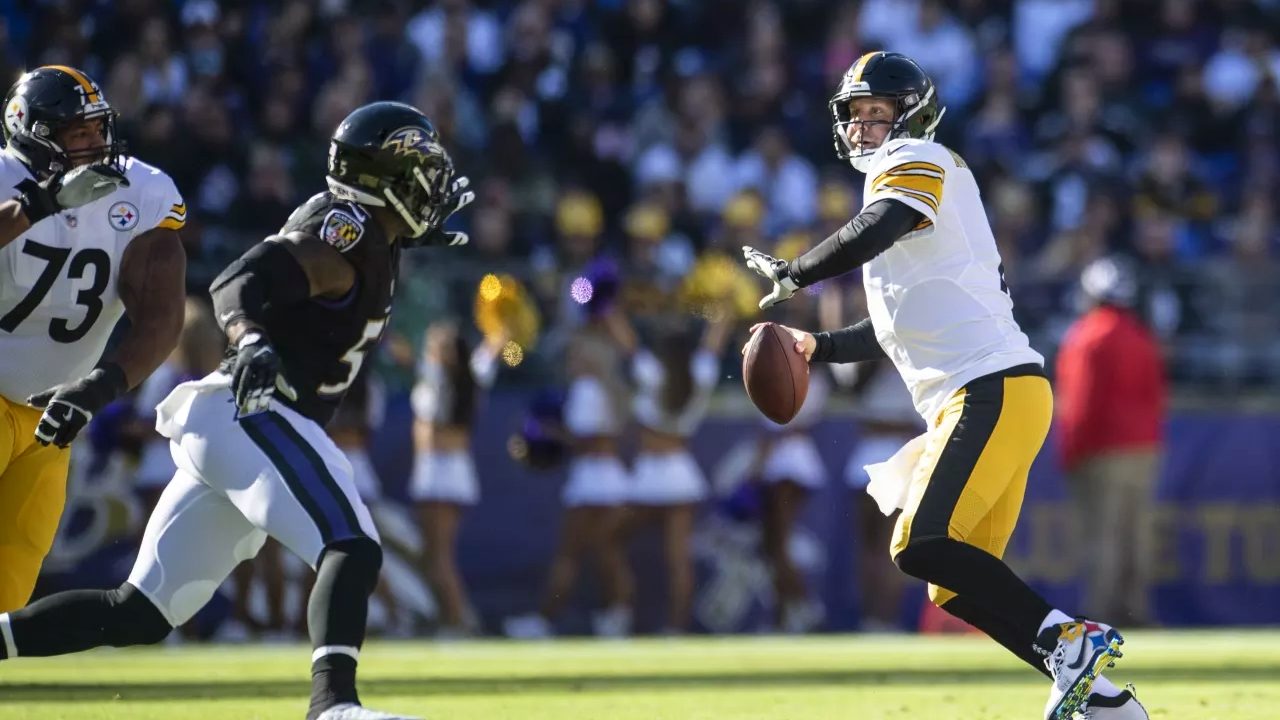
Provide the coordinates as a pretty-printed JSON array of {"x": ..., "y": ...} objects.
[{"x": 1187, "y": 676}]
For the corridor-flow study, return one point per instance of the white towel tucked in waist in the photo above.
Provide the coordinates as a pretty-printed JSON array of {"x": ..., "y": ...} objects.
[{"x": 891, "y": 479}]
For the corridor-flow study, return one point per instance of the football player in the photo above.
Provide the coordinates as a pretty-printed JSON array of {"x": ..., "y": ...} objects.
[
  {"x": 86, "y": 234},
  {"x": 941, "y": 312},
  {"x": 301, "y": 310}
]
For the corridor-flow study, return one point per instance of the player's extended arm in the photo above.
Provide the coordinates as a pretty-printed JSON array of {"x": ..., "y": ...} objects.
[
  {"x": 13, "y": 221},
  {"x": 873, "y": 231},
  {"x": 283, "y": 270},
  {"x": 152, "y": 286},
  {"x": 855, "y": 343},
  {"x": 38, "y": 200}
]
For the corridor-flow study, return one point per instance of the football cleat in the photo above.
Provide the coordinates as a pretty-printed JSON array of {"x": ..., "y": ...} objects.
[
  {"x": 1124, "y": 706},
  {"x": 527, "y": 627},
  {"x": 354, "y": 711},
  {"x": 1078, "y": 652}
]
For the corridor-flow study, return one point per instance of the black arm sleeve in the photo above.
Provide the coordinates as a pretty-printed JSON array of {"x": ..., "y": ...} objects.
[
  {"x": 852, "y": 344},
  {"x": 872, "y": 232},
  {"x": 268, "y": 274}
]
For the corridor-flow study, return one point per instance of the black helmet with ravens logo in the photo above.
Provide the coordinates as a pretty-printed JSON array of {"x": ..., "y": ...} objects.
[
  {"x": 388, "y": 154},
  {"x": 888, "y": 75},
  {"x": 45, "y": 100}
]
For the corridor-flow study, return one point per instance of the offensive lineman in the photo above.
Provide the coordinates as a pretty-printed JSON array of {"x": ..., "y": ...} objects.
[
  {"x": 301, "y": 310},
  {"x": 940, "y": 310},
  {"x": 89, "y": 234}
]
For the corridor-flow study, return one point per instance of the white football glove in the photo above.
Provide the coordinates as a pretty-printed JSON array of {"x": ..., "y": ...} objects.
[
  {"x": 773, "y": 270},
  {"x": 64, "y": 191}
]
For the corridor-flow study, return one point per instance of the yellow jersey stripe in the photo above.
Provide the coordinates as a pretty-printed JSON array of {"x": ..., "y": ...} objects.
[
  {"x": 916, "y": 166},
  {"x": 179, "y": 208},
  {"x": 90, "y": 94},
  {"x": 171, "y": 223},
  {"x": 921, "y": 183},
  {"x": 923, "y": 224},
  {"x": 925, "y": 198}
]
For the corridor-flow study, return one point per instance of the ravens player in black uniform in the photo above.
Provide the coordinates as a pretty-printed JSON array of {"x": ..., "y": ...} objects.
[{"x": 301, "y": 310}]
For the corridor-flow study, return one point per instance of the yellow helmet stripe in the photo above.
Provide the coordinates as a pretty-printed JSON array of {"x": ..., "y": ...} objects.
[
  {"x": 861, "y": 65},
  {"x": 90, "y": 92}
]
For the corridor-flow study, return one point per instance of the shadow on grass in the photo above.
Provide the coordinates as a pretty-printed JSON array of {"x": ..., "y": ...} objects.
[{"x": 480, "y": 685}]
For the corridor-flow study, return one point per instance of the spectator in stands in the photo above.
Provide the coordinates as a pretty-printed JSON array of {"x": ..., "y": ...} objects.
[{"x": 1111, "y": 400}]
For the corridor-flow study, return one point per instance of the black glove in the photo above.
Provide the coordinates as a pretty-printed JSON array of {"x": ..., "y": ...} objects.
[
  {"x": 71, "y": 189},
  {"x": 458, "y": 197},
  {"x": 256, "y": 374},
  {"x": 70, "y": 406}
]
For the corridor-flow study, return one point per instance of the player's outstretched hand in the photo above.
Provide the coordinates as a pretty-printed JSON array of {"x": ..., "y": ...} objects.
[
  {"x": 773, "y": 270},
  {"x": 256, "y": 374},
  {"x": 459, "y": 196},
  {"x": 69, "y": 407},
  {"x": 63, "y": 191}
]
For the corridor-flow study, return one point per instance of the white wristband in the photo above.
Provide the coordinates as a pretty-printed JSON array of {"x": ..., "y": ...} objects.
[{"x": 248, "y": 338}]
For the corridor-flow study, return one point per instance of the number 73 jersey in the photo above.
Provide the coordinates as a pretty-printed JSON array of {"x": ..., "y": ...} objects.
[{"x": 59, "y": 295}]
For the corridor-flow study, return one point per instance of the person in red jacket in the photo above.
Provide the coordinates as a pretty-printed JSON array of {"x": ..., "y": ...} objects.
[{"x": 1111, "y": 405}]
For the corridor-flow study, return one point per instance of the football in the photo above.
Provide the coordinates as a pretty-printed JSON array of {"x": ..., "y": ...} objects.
[{"x": 776, "y": 376}]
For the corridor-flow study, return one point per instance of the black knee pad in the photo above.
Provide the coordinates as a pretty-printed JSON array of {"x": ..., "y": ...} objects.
[
  {"x": 357, "y": 560},
  {"x": 136, "y": 620},
  {"x": 918, "y": 558}
]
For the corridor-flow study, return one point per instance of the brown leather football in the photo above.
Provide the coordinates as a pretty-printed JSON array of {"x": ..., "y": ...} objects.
[{"x": 776, "y": 376}]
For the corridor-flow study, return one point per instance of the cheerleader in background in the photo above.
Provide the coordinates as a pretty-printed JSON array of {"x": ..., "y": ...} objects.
[
  {"x": 597, "y": 489},
  {"x": 445, "y": 401},
  {"x": 673, "y": 384},
  {"x": 790, "y": 470},
  {"x": 887, "y": 420}
]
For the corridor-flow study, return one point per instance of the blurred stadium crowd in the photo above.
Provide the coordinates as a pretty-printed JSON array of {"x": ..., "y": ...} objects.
[
  {"x": 624, "y": 150},
  {"x": 663, "y": 132}
]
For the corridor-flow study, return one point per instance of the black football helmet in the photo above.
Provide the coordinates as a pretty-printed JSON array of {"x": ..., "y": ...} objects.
[
  {"x": 891, "y": 75},
  {"x": 40, "y": 103},
  {"x": 388, "y": 154}
]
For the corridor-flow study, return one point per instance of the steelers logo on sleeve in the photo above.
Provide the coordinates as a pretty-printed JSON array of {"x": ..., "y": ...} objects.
[{"x": 123, "y": 216}]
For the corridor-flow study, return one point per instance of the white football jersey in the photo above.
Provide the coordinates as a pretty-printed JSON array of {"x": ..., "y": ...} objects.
[
  {"x": 59, "y": 300},
  {"x": 937, "y": 297}
]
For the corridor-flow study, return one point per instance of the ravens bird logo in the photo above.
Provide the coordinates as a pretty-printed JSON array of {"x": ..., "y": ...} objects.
[{"x": 411, "y": 141}]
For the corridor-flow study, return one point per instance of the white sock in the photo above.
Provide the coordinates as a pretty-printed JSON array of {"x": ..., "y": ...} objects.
[
  {"x": 1055, "y": 617},
  {"x": 6, "y": 636},
  {"x": 1105, "y": 687}
]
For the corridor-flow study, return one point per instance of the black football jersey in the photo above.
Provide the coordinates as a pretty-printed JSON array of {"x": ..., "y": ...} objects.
[{"x": 323, "y": 343}]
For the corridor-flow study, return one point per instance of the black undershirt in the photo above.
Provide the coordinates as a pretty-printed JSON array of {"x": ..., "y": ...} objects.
[{"x": 873, "y": 231}]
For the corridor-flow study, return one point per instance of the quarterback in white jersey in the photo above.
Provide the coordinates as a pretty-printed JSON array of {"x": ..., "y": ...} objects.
[
  {"x": 939, "y": 309},
  {"x": 88, "y": 235}
]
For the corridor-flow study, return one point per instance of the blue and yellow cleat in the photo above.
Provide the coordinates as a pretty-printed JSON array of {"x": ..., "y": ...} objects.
[{"x": 1078, "y": 652}]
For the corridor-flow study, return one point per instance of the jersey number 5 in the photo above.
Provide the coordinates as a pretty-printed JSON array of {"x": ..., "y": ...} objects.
[
  {"x": 91, "y": 297},
  {"x": 354, "y": 357}
]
